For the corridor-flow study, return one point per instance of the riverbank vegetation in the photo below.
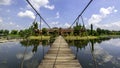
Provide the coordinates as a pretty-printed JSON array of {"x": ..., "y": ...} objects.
[{"x": 76, "y": 33}]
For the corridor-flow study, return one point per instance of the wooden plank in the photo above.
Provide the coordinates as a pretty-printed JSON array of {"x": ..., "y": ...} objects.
[{"x": 59, "y": 56}]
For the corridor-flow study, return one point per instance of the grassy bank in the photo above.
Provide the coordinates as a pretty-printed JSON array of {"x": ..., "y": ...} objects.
[
  {"x": 39, "y": 37},
  {"x": 75, "y": 37},
  {"x": 90, "y": 37},
  {"x": 67, "y": 37}
]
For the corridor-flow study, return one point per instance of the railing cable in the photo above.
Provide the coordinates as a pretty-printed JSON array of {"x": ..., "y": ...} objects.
[
  {"x": 94, "y": 60},
  {"x": 81, "y": 12},
  {"x": 38, "y": 13}
]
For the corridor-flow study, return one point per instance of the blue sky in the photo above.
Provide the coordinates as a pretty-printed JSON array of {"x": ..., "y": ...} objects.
[{"x": 17, "y": 14}]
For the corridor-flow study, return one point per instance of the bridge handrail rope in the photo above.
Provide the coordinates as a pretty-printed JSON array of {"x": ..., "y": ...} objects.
[
  {"x": 38, "y": 13},
  {"x": 41, "y": 28},
  {"x": 89, "y": 43},
  {"x": 81, "y": 12},
  {"x": 83, "y": 22},
  {"x": 23, "y": 58},
  {"x": 35, "y": 18}
]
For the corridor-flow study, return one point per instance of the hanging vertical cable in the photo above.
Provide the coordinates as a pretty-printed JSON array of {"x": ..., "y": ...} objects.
[
  {"x": 41, "y": 29},
  {"x": 81, "y": 12},
  {"x": 38, "y": 13},
  {"x": 94, "y": 60}
]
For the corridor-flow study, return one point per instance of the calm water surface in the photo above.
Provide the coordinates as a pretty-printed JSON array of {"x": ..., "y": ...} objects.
[
  {"x": 97, "y": 53},
  {"x": 103, "y": 53},
  {"x": 22, "y": 54}
]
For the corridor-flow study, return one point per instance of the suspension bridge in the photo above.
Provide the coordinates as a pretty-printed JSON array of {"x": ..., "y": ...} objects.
[{"x": 60, "y": 55}]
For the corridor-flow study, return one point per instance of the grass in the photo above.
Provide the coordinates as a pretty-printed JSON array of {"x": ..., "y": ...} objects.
[
  {"x": 39, "y": 37},
  {"x": 80, "y": 38},
  {"x": 11, "y": 35},
  {"x": 67, "y": 37},
  {"x": 89, "y": 37}
]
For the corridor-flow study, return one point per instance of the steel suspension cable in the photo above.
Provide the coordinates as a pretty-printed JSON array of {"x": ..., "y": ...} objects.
[
  {"x": 41, "y": 28},
  {"x": 94, "y": 60},
  {"x": 35, "y": 18},
  {"x": 38, "y": 13},
  {"x": 81, "y": 12},
  {"x": 83, "y": 22}
]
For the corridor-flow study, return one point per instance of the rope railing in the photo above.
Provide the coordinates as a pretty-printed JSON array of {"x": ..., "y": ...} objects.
[
  {"x": 38, "y": 13},
  {"x": 81, "y": 13},
  {"x": 94, "y": 60}
]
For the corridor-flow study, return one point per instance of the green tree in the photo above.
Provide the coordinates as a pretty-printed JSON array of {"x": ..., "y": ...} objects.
[
  {"x": 34, "y": 29},
  {"x": 1, "y": 31},
  {"x": 27, "y": 33},
  {"x": 6, "y": 32},
  {"x": 91, "y": 29},
  {"x": 21, "y": 33},
  {"x": 14, "y": 32},
  {"x": 98, "y": 31},
  {"x": 77, "y": 29},
  {"x": 44, "y": 31}
]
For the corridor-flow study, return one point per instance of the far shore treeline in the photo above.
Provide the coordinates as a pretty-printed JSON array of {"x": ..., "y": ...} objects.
[{"x": 77, "y": 30}]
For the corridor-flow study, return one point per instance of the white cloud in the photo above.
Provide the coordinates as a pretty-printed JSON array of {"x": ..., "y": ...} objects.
[
  {"x": 58, "y": 24},
  {"x": 102, "y": 55},
  {"x": 26, "y": 56},
  {"x": 110, "y": 26},
  {"x": 17, "y": 26},
  {"x": 95, "y": 18},
  {"x": 104, "y": 12},
  {"x": 107, "y": 11},
  {"x": 66, "y": 25},
  {"x": 1, "y": 20},
  {"x": 11, "y": 23},
  {"x": 49, "y": 7},
  {"x": 41, "y": 3},
  {"x": 5, "y": 2},
  {"x": 113, "y": 42},
  {"x": 8, "y": 10},
  {"x": 57, "y": 15},
  {"x": 10, "y": 26},
  {"x": 55, "y": 23},
  {"x": 27, "y": 13},
  {"x": 115, "y": 10},
  {"x": 42, "y": 23}
]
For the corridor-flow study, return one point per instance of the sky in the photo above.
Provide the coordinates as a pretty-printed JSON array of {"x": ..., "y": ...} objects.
[{"x": 17, "y": 14}]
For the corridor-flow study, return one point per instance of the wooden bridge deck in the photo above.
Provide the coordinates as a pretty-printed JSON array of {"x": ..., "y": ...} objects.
[{"x": 59, "y": 56}]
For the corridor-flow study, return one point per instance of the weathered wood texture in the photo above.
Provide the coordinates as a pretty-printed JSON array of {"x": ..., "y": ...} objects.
[{"x": 59, "y": 56}]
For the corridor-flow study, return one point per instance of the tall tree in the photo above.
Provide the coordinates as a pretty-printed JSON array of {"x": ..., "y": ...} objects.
[
  {"x": 77, "y": 29},
  {"x": 99, "y": 31},
  {"x": 44, "y": 31},
  {"x": 14, "y": 32},
  {"x": 6, "y": 32},
  {"x": 91, "y": 29},
  {"x": 1, "y": 31}
]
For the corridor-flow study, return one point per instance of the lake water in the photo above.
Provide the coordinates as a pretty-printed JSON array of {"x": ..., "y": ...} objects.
[
  {"x": 22, "y": 54},
  {"x": 104, "y": 53}
]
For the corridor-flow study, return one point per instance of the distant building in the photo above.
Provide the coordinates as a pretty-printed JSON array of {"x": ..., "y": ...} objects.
[{"x": 59, "y": 31}]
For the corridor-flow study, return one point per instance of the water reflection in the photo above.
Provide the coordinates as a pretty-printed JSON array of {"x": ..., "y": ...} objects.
[
  {"x": 97, "y": 53},
  {"x": 24, "y": 54},
  {"x": 28, "y": 55}
]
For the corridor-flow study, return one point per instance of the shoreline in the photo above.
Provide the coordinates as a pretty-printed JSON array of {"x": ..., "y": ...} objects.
[
  {"x": 11, "y": 40},
  {"x": 90, "y": 37},
  {"x": 66, "y": 38}
]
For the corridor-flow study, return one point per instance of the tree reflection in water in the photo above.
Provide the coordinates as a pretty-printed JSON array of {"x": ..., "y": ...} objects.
[
  {"x": 82, "y": 44},
  {"x": 35, "y": 44}
]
